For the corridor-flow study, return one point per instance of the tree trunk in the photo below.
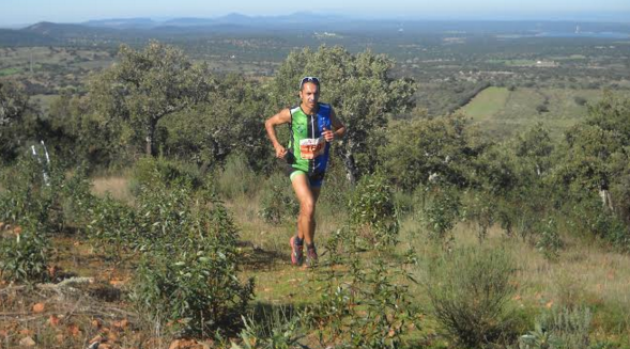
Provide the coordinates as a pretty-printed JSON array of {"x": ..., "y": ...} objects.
[
  {"x": 150, "y": 140},
  {"x": 352, "y": 172},
  {"x": 606, "y": 199}
]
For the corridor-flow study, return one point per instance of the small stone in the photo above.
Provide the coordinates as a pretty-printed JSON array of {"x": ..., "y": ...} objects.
[
  {"x": 27, "y": 342},
  {"x": 175, "y": 344},
  {"x": 39, "y": 308}
]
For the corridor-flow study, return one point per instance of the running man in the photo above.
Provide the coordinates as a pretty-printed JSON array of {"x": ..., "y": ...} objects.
[{"x": 313, "y": 127}]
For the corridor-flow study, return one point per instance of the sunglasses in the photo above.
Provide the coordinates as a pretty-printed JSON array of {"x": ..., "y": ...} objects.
[{"x": 309, "y": 79}]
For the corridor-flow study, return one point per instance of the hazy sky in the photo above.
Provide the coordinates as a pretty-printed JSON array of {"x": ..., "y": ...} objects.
[{"x": 31, "y": 11}]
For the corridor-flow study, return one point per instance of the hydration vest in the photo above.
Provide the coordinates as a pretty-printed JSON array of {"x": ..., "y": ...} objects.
[{"x": 310, "y": 149}]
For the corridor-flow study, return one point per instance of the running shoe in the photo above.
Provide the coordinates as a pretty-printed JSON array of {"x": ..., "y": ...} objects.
[
  {"x": 311, "y": 256},
  {"x": 297, "y": 251}
]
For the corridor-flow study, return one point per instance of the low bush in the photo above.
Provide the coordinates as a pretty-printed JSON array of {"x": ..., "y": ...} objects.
[
  {"x": 277, "y": 202},
  {"x": 236, "y": 178},
  {"x": 154, "y": 172},
  {"x": 369, "y": 304},
  {"x": 25, "y": 257},
  {"x": 189, "y": 278},
  {"x": 32, "y": 192},
  {"x": 549, "y": 242},
  {"x": 442, "y": 211},
  {"x": 191, "y": 292},
  {"x": 370, "y": 309},
  {"x": 373, "y": 213},
  {"x": 470, "y": 290},
  {"x": 112, "y": 227},
  {"x": 564, "y": 328}
]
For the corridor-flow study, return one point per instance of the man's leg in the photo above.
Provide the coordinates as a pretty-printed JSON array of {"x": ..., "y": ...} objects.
[
  {"x": 315, "y": 192},
  {"x": 307, "y": 198}
]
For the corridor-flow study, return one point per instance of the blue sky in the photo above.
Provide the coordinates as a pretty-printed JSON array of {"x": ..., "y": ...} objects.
[{"x": 30, "y": 11}]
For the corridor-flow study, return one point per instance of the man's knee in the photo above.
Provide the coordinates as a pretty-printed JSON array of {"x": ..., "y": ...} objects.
[{"x": 307, "y": 208}]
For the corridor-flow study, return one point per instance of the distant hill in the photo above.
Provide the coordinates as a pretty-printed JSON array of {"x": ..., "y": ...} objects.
[
  {"x": 10, "y": 37},
  {"x": 138, "y": 30},
  {"x": 61, "y": 29},
  {"x": 123, "y": 23},
  {"x": 234, "y": 19}
]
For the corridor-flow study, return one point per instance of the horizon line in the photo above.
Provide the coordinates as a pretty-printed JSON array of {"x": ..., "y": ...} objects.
[{"x": 602, "y": 17}]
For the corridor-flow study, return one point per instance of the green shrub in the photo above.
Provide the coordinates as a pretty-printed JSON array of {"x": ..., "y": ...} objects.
[
  {"x": 237, "y": 178},
  {"x": 589, "y": 218},
  {"x": 370, "y": 308},
  {"x": 373, "y": 213},
  {"x": 470, "y": 290},
  {"x": 189, "y": 277},
  {"x": 25, "y": 257},
  {"x": 194, "y": 292},
  {"x": 155, "y": 172},
  {"x": 441, "y": 211},
  {"x": 333, "y": 199},
  {"x": 77, "y": 199},
  {"x": 29, "y": 195},
  {"x": 579, "y": 100},
  {"x": 277, "y": 201},
  {"x": 42, "y": 194},
  {"x": 549, "y": 242},
  {"x": 112, "y": 226}
]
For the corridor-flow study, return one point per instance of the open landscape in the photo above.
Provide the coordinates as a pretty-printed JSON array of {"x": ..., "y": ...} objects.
[{"x": 479, "y": 199}]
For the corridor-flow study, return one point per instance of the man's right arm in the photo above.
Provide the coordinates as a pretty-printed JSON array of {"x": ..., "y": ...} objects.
[{"x": 283, "y": 117}]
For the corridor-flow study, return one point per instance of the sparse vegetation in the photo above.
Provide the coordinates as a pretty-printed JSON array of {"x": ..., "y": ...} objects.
[{"x": 503, "y": 225}]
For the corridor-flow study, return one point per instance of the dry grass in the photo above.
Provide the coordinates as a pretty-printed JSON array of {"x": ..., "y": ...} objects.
[
  {"x": 584, "y": 274},
  {"x": 117, "y": 187}
]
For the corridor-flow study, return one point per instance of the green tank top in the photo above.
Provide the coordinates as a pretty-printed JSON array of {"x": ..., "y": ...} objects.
[{"x": 310, "y": 149}]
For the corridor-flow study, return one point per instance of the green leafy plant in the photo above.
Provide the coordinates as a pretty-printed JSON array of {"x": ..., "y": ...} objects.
[
  {"x": 373, "y": 213},
  {"x": 549, "y": 242},
  {"x": 160, "y": 172},
  {"x": 441, "y": 211},
  {"x": 277, "y": 202},
  {"x": 32, "y": 192},
  {"x": 189, "y": 278},
  {"x": 367, "y": 306},
  {"x": 112, "y": 226},
  {"x": 25, "y": 257},
  {"x": 77, "y": 199}
]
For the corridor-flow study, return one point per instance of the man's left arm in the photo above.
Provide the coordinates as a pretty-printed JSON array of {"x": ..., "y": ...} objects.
[{"x": 339, "y": 129}]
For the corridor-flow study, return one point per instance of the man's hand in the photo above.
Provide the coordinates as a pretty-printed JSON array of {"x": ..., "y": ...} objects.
[
  {"x": 329, "y": 135},
  {"x": 281, "y": 152}
]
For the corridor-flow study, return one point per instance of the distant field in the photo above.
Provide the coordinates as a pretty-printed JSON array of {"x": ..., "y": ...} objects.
[
  {"x": 502, "y": 113},
  {"x": 487, "y": 103},
  {"x": 10, "y": 71}
]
